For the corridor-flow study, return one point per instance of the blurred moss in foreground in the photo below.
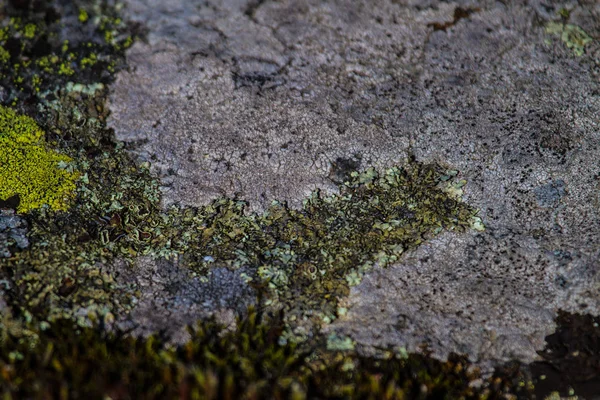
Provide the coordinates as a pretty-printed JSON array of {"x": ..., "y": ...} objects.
[{"x": 67, "y": 362}]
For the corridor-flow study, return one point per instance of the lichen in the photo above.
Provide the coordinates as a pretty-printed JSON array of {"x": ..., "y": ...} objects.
[
  {"x": 29, "y": 168},
  {"x": 305, "y": 260},
  {"x": 572, "y": 36},
  {"x": 63, "y": 273},
  {"x": 302, "y": 261}
]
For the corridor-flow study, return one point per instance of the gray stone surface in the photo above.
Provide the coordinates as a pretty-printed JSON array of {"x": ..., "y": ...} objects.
[
  {"x": 171, "y": 298},
  {"x": 13, "y": 232},
  {"x": 264, "y": 100}
]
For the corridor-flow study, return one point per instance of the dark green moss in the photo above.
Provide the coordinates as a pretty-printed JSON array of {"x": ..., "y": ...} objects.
[{"x": 64, "y": 361}]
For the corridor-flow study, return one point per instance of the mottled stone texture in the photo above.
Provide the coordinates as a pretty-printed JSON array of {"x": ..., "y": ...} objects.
[
  {"x": 268, "y": 100},
  {"x": 170, "y": 298},
  {"x": 13, "y": 231}
]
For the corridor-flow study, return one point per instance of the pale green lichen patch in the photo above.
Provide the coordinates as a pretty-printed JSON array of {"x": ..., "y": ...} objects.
[
  {"x": 305, "y": 260},
  {"x": 572, "y": 36},
  {"x": 29, "y": 168}
]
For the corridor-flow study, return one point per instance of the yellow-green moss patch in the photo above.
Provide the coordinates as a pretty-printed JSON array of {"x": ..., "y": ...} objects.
[{"x": 29, "y": 168}]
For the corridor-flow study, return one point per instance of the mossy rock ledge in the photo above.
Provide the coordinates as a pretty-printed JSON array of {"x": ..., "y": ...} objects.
[{"x": 299, "y": 199}]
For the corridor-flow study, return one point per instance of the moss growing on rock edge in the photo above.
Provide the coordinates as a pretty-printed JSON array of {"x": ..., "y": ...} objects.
[{"x": 248, "y": 362}]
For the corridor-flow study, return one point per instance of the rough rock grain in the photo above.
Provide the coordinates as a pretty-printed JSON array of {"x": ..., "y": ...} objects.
[
  {"x": 171, "y": 298},
  {"x": 267, "y": 100}
]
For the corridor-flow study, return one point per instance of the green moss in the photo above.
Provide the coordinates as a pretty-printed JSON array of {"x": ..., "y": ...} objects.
[
  {"x": 64, "y": 361},
  {"x": 83, "y": 15},
  {"x": 32, "y": 41},
  {"x": 4, "y": 55},
  {"x": 29, "y": 31},
  {"x": 29, "y": 169}
]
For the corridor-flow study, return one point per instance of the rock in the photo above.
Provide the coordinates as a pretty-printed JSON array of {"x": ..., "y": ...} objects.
[
  {"x": 270, "y": 100},
  {"x": 13, "y": 232},
  {"x": 172, "y": 299}
]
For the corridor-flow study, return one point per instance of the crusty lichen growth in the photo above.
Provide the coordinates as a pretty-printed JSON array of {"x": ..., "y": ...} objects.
[
  {"x": 305, "y": 260},
  {"x": 301, "y": 260},
  {"x": 29, "y": 168},
  {"x": 63, "y": 272},
  {"x": 572, "y": 36}
]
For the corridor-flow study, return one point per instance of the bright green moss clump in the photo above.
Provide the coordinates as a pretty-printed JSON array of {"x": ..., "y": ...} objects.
[{"x": 28, "y": 168}]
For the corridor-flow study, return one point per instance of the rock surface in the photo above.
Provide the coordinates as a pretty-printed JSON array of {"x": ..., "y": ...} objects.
[
  {"x": 269, "y": 100},
  {"x": 13, "y": 231},
  {"x": 171, "y": 298}
]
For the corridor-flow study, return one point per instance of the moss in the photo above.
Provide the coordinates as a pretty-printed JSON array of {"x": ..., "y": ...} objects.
[
  {"x": 83, "y": 15},
  {"x": 32, "y": 41},
  {"x": 30, "y": 169},
  {"x": 29, "y": 31},
  {"x": 4, "y": 55},
  {"x": 64, "y": 361}
]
